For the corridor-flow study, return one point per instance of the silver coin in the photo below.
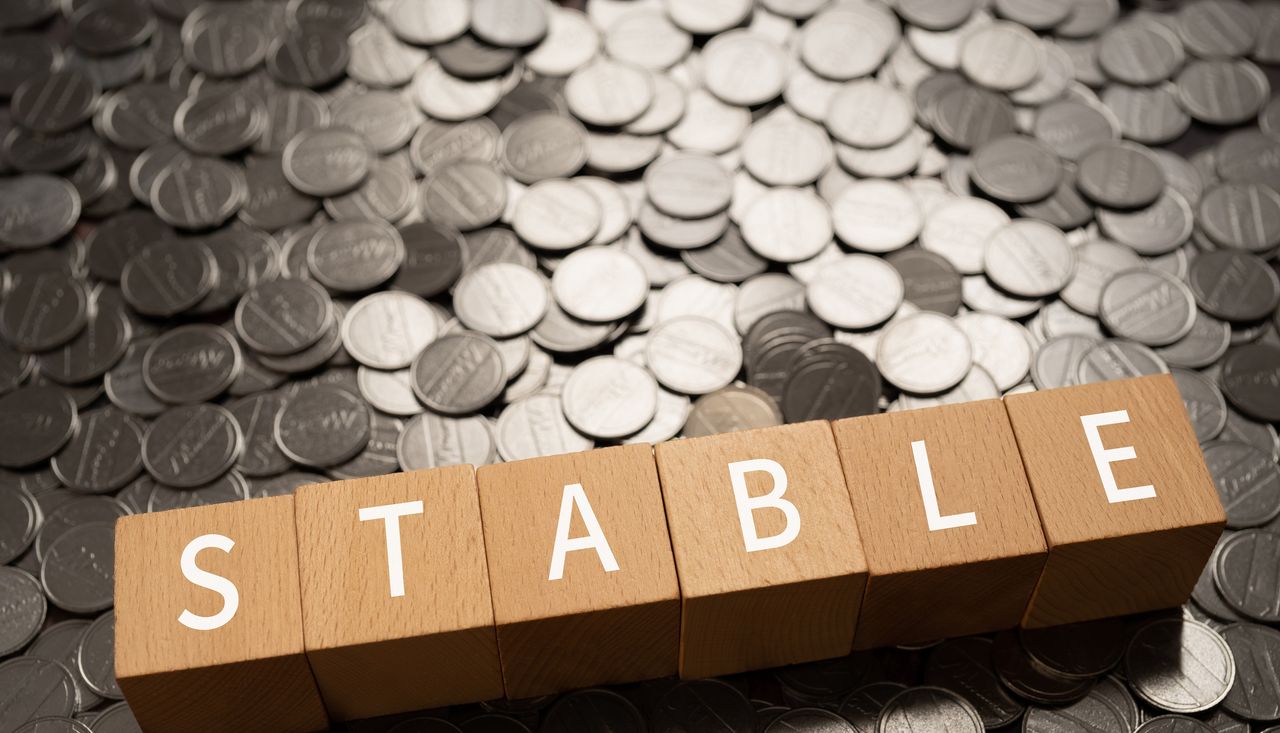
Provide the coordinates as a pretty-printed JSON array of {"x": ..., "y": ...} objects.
[
  {"x": 1000, "y": 346},
  {"x": 41, "y": 209},
  {"x": 434, "y": 441},
  {"x": 33, "y": 688},
  {"x": 608, "y": 93},
  {"x": 95, "y": 659},
  {"x": 1147, "y": 306},
  {"x": 788, "y": 225},
  {"x": 283, "y": 316},
  {"x": 869, "y": 114},
  {"x": 198, "y": 192},
  {"x": 535, "y": 427},
  {"x": 1204, "y": 403},
  {"x": 959, "y": 230},
  {"x": 78, "y": 570},
  {"x": 326, "y": 161},
  {"x": 23, "y": 610},
  {"x": 447, "y": 97},
  {"x": 876, "y": 216},
  {"x": 1247, "y": 479},
  {"x": 855, "y": 291},
  {"x": 693, "y": 355},
  {"x": 1029, "y": 258},
  {"x": 355, "y": 255},
  {"x": 600, "y": 284},
  {"x": 1091, "y": 713},
  {"x": 501, "y": 299},
  {"x": 928, "y": 708},
  {"x": 924, "y": 353},
  {"x": 1256, "y": 693},
  {"x": 20, "y": 519},
  {"x": 36, "y": 421},
  {"x": 1179, "y": 666},
  {"x": 44, "y": 311},
  {"x": 104, "y": 455},
  {"x": 387, "y": 330},
  {"x": 609, "y": 398},
  {"x": 464, "y": 194},
  {"x": 378, "y": 457},
  {"x": 192, "y": 445},
  {"x": 73, "y": 513},
  {"x": 322, "y": 426},
  {"x": 256, "y": 416},
  {"x": 1245, "y": 574},
  {"x": 964, "y": 667},
  {"x": 60, "y": 643},
  {"x": 1118, "y": 359},
  {"x": 229, "y": 487},
  {"x": 191, "y": 363},
  {"x": 557, "y": 214},
  {"x": 459, "y": 373}
]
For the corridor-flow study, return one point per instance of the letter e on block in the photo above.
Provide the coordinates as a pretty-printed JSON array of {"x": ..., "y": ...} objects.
[
  {"x": 770, "y": 562},
  {"x": 395, "y": 593},
  {"x": 584, "y": 583},
  {"x": 209, "y": 622},
  {"x": 1130, "y": 512},
  {"x": 953, "y": 541}
]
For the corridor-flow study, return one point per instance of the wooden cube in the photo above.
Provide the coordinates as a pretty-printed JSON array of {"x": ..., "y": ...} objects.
[
  {"x": 1129, "y": 509},
  {"x": 949, "y": 527},
  {"x": 771, "y": 566},
  {"x": 395, "y": 593},
  {"x": 209, "y": 621},
  {"x": 583, "y": 580}
]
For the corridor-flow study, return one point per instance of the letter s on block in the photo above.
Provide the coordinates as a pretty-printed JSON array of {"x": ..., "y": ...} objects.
[
  {"x": 216, "y": 583},
  {"x": 1104, "y": 457},
  {"x": 738, "y": 471}
]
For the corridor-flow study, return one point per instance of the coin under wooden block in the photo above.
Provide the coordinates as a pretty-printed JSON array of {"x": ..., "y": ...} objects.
[
  {"x": 949, "y": 527},
  {"x": 583, "y": 579},
  {"x": 1129, "y": 509},
  {"x": 395, "y": 593},
  {"x": 771, "y": 566},
  {"x": 209, "y": 621}
]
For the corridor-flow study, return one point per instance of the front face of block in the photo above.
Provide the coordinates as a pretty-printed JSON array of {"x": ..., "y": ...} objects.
[
  {"x": 770, "y": 562},
  {"x": 1129, "y": 509},
  {"x": 583, "y": 581},
  {"x": 209, "y": 622},
  {"x": 949, "y": 527},
  {"x": 393, "y": 574}
]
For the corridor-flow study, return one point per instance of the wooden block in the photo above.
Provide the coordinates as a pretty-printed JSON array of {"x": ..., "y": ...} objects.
[
  {"x": 1129, "y": 509},
  {"x": 949, "y": 527},
  {"x": 599, "y": 605},
  {"x": 770, "y": 564},
  {"x": 395, "y": 593},
  {"x": 209, "y": 622}
]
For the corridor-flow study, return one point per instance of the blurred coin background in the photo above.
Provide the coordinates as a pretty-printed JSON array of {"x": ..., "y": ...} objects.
[{"x": 488, "y": 230}]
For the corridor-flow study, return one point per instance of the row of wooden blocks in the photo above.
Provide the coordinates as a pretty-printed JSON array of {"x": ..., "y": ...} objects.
[{"x": 701, "y": 556}]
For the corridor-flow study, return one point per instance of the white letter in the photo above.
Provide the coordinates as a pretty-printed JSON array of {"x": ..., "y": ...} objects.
[
  {"x": 1104, "y": 457},
  {"x": 748, "y": 504},
  {"x": 216, "y": 583},
  {"x": 574, "y": 495},
  {"x": 930, "y": 495},
  {"x": 390, "y": 515}
]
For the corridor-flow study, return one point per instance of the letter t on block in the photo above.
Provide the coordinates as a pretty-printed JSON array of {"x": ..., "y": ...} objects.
[
  {"x": 209, "y": 623},
  {"x": 771, "y": 566},
  {"x": 1129, "y": 510}
]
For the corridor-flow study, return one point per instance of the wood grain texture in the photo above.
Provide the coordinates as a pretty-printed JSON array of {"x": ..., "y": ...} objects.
[
  {"x": 926, "y": 584},
  {"x": 249, "y": 675},
  {"x": 374, "y": 654},
  {"x": 1107, "y": 559},
  {"x": 748, "y": 610},
  {"x": 591, "y": 626}
]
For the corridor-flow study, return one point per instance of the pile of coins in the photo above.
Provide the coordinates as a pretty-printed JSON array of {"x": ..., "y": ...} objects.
[{"x": 246, "y": 246}]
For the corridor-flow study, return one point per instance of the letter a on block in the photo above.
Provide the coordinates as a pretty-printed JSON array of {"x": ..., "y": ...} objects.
[
  {"x": 930, "y": 495},
  {"x": 748, "y": 504},
  {"x": 1104, "y": 457},
  {"x": 575, "y": 497},
  {"x": 216, "y": 583},
  {"x": 1110, "y": 554}
]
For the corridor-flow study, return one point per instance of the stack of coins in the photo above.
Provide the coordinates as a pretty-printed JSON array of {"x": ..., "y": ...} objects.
[{"x": 246, "y": 246}]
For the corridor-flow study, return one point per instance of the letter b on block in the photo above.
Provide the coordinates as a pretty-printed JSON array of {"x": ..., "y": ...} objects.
[
  {"x": 771, "y": 566},
  {"x": 209, "y": 623},
  {"x": 1130, "y": 511}
]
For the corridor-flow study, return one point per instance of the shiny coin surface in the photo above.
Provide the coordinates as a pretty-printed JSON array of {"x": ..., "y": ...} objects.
[{"x": 1196, "y": 678}]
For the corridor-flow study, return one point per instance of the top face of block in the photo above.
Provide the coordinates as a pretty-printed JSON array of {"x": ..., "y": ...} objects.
[
  {"x": 708, "y": 535},
  {"x": 973, "y": 459},
  {"x": 152, "y": 592},
  {"x": 521, "y": 506},
  {"x": 347, "y": 579},
  {"x": 1065, "y": 477}
]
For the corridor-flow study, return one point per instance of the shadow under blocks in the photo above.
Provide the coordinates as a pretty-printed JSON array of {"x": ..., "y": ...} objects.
[{"x": 698, "y": 557}]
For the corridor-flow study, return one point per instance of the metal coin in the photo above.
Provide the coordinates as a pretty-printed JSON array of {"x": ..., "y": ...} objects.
[
  {"x": 19, "y": 522},
  {"x": 1235, "y": 286},
  {"x": 198, "y": 192},
  {"x": 256, "y": 417},
  {"x": 501, "y": 299},
  {"x": 355, "y": 255},
  {"x": 433, "y": 441},
  {"x": 609, "y": 398},
  {"x": 32, "y": 689},
  {"x": 322, "y": 426},
  {"x": 1179, "y": 666},
  {"x": 1204, "y": 403},
  {"x": 116, "y": 719},
  {"x": 219, "y": 123},
  {"x": 924, "y": 353},
  {"x": 61, "y": 643},
  {"x": 41, "y": 209},
  {"x": 192, "y": 445},
  {"x": 1148, "y": 306},
  {"x": 95, "y": 660},
  {"x": 1173, "y": 724},
  {"x": 1091, "y": 713},
  {"x": 44, "y": 311},
  {"x": 689, "y": 705},
  {"x": 964, "y": 667},
  {"x": 1030, "y": 679},
  {"x": 191, "y": 364},
  {"x": 23, "y": 611},
  {"x": 168, "y": 277},
  {"x": 104, "y": 455},
  {"x": 378, "y": 457},
  {"x": 876, "y": 216},
  {"x": 693, "y": 355},
  {"x": 1247, "y": 380},
  {"x": 1029, "y": 258},
  {"x": 1256, "y": 692},
  {"x": 557, "y": 214},
  {"x": 283, "y": 317},
  {"x": 326, "y": 161},
  {"x": 1000, "y": 347},
  {"x": 311, "y": 56},
  {"x": 464, "y": 194},
  {"x": 55, "y": 101},
  {"x": 1244, "y": 574},
  {"x": 387, "y": 330},
  {"x": 535, "y": 426},
  {"x": 1200, "y": 81},
  {"x": 930, "y": 708},
  {"x": 36, "y": 421},
  {"x": 229, "y": 487},
  {"x": 733, "y": 408},
  {"x": 73, "y": 513},
  {"x": 608, "y": 93},
  {"x": 1118, "y": 359},
  {"x": 600, "y": 284},
  {"x": 459, "y": 373},
  {"x": 848, "y": 42},
  {"x": 78, "y": 570}
]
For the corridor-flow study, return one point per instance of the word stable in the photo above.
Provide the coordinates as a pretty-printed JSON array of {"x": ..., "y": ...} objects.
[{"x": 702, "y": 556}]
